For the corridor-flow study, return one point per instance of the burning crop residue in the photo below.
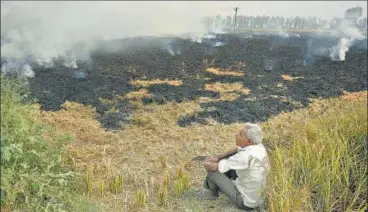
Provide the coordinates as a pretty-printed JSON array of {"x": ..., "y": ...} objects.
[
  {"x": 269, "y": 64},
  {"x": 18, "y": 67},
  {"x": 172, "y": 51},
  {"x": 124, "y": 55},
  {"x": 79, "y": 74},
  {"x": 338, "y": 52},
  {"x": 349, "y": 33}
]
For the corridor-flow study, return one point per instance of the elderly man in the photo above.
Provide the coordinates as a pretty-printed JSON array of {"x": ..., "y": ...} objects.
[{"x": 239, "y": 173}]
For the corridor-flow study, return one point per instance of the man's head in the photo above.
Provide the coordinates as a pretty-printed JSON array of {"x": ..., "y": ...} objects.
[{"x": 249, "y": 134}]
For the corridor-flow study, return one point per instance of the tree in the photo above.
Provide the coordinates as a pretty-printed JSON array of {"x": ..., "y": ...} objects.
[{"x": 228, "y": 22}]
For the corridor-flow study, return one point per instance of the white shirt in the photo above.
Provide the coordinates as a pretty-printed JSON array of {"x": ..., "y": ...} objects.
[{"x": 251, "y": 165}]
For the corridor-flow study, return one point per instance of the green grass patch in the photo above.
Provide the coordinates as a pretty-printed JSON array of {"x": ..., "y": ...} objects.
[{"x": 33, "y": 177}]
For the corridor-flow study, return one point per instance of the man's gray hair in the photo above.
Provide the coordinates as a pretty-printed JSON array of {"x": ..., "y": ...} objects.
[{"x": 254, "y": 132}]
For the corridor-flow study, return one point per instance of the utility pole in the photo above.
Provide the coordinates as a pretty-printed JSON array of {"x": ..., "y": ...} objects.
[{"x": 236, "y": 13}]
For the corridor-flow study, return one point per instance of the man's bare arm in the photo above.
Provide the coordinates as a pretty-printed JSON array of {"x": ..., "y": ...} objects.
[
  {"x": 227, "y": 154},
  {"x": 217, "y": 158}
]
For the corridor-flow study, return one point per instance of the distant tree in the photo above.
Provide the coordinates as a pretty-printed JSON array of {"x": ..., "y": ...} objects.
[
  {"x": 272, "y": 22},
  {"x": 259, "y": 22},
  {"x": 288, "y": 23},
  {"x": 251, "y": 22},
  {"x": 335, "y": 22},
  {"x": 296, "y": 22},
  {"x": 240, "y": 22},
  {"x": 206, "y": 21},
  {"x": 248, "y": 22},
  {"x": 282, "y": 22},
  {"x": 363, "y": 24},
  {"x": 218, "y": 22},
  {"x": 303, "y": 23},
  {"x": 312, "y": 23},
  {"x": 229, "y": 22}
]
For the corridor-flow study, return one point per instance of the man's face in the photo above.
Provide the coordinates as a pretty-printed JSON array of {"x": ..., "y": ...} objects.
[{"x": 242, "y": 138}]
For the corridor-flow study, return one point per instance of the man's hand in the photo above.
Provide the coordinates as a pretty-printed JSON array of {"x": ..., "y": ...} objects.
[
  {"x": 212, "y": 159},
  {"x": 210, "y": 166}
]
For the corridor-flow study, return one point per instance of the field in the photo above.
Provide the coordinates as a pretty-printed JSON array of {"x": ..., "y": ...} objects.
[
  {"x": 228, "y": 78},
  {"x": 141, "y": 111}
]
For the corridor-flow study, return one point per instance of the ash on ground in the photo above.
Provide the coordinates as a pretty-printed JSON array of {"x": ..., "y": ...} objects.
[{"x": 267, "y": 58}]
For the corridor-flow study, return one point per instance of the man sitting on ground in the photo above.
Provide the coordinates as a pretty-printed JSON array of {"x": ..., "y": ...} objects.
[{"x": 241, "y": 172}]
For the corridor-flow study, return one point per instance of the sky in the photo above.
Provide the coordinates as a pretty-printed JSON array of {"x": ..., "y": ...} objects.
[{"x": 321, "y": 9}]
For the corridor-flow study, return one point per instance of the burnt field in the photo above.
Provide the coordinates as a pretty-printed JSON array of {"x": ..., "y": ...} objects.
[{"x": 262, "y": 75}]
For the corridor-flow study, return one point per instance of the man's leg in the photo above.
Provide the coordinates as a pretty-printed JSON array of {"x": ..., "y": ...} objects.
[{"x": 216, "y": 181}]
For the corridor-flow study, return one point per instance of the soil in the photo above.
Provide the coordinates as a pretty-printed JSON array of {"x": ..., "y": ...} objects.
[{"x": 262, "y": 59}]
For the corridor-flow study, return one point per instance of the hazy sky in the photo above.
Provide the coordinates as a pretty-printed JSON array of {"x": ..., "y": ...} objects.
[{"x": 321, "y": 9}]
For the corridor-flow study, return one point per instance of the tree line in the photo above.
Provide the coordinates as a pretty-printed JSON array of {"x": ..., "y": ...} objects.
[{"x": 272, "y": 22}]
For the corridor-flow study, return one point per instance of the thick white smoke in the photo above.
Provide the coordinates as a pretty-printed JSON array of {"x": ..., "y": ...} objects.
[
  {"x": 349, "y": 35},
  {"x": 49, "y": 30},
  {"x": 45, "y": 31},
  {"x": 16, "y": 66}
]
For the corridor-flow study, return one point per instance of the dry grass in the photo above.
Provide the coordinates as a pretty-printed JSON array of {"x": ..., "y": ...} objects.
[
  {"x": 355, "y": 96},
  {"x": 226, "y": 87},
  {"x": 138, "y": 94},
  {"x": 221, "y": 72},
  {"x": 80, "y": 121},
  {"x": 136, "y": 151},
  {"x": 289, "y": 100},
  {"x": 312, "y": 158},
  {"x": 228, "y": 91},
  {"x": 135, "y": 97},
  {"x": 147, "y": 83},
  {"x": 289, "y": 78},
  {"x": 93, "y": 146},
  {"x": 148, "y": 152}
]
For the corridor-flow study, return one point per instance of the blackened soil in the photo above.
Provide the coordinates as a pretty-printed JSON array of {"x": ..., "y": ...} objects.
[{"x": 264, "y": 59}]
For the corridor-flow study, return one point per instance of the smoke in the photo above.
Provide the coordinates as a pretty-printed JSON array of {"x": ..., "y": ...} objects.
[
  {"x": 208, "y": 38},
  {"x": 70, "y": 61},
  {"x": 48, "y": 31},
  {"x": 350, "y": 34},
  {"x": 44, "y": 32},
  {"x": 339, "y": 51},
  {"x": 79, "y": 74},
  {"x": 217, "y": 28},
  {"x": 218, "y": 43},
  {"x": 172, "y": 51},
  {"x": 307, "y": 60},
  {"x": 269, "y": 64},
  {"x": 346, "y": 32},
  {"x": 17, "y": 67},
  {"x": 281, "y": 32}
]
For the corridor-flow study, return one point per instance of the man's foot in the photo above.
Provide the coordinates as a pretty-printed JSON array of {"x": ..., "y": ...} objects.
[{"x": 206, "y": 194}]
